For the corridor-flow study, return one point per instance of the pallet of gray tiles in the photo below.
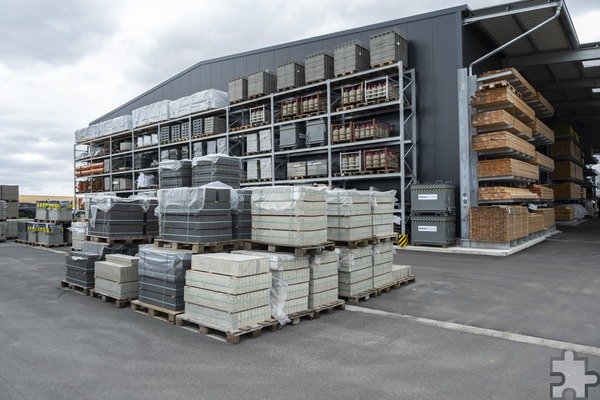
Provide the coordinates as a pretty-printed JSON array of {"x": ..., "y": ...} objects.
[
  {"x": 214, "y": 125},
  {"x": 216, "y": 168},
  {"x": 388, "y": 47},
  {"x": 290, "y": 75},
  {"x": 238, "y": 89},
  {"x": 175, "y": 173},
  {"x": 116, "y": 279},
  {"x": 318, "y": 67},
  {"x": 79, "y": 271},
  {"x": 350, "y": 57},
  {"x": 261, "y": 83}
]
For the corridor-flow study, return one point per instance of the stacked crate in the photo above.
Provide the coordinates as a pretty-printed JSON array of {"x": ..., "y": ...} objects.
[
  {"x": 356, "y": 270},
  {"x": 117, "y": 277},
  {"x": 317, "y": 168},
  {"x": 349, "y": 215},
  {"x": 350, "y": 57},
  {"x": 388, "y": 47},
  {"x": 318, "y": 67},
  {"x": 261, "y": 83},
  {"x": 216, "y": 168},
  {"x": 227, "y": 291},
  {"x": 238, "y": 89},
  {"x": 214, "y": 125},
  {"x": 175, "y": 173},
  {"x": 289, "y": 215},
  {"x": 195, "y": 215},
  {"x": 241, "y": 217},
  {"x": 161, "y": 274},
  {"x": 316, "y": 132},
  {"x": 10, "y": 194},
  {"x": 323, "y": 284},
  {"x": 116, "y": 217},
  {"x": 197, "y": 127},
  {"x": 290, "y": 108},
  {"x": 292, "y": 136},
  {"x": 260, "y": 115},
  {"x": 382, "y": 160},
  {"x": 80, "y": 267},
  {"x": 290, "y": 75}
]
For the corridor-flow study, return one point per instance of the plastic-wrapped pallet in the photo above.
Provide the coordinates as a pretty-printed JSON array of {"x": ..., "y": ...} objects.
[
  {"x": 241, "y": 216},
  {"x": 349, "y": 215},
  {"x": 289, "y": 215},
  {"x": 264, "y": 140},
  {"x": 214, "y": 125},
  {"x": 211, "y": 147},
  {"x": 228, "y": 291},
  {"x": 266, "y": 171},
  {"x": 79, "y": 267},
  {"x": 291, "y": 277},
  {"x": 252, "y": 143},
  {"x": 117, "y": 277},
  {"x": 78, "y": 233},
  {"x": 388, "y": 47},
  {"x": 318, "y": 67},
  {"x": 198, "y": 150},
  {"x": 216, "y": 168},
  {"x": 383, "y": 212},
  {"x": 252, "y": 169},
  {"x": 356, "y": 270},
  {"x": 175, "y": 173},
  {"x": 9, "y": 192},
  {"x": 150, "y": 114},
  {"x": 383, "y": 259},
  {"x": 145, "y": 181},
  {"x": 22, "y": 225},
  {"x": 351, "y": 56},
  {"x": 200, "y": 101},
  {"x": 50, "y": 234},
  {"x": 323, "y": 286},
  {"x": 117, "y": 217},
  {"x": 161, "y": 275},
  {"x": 222, "y": 146},
  {"x": 400, "y": 272},
  {"x": 196, "y": 215}
]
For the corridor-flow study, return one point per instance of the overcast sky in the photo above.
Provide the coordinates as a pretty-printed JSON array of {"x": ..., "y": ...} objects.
[{"x": 65, "y": 63}]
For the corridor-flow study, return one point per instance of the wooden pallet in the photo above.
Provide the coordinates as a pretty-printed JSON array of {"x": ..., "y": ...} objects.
[
  {"x": 125, "y": 240},
  {"x": 199, "y": 248},
  {"x": 52, "y": 221},
  {"x": 232, "y": 337},
  {"x": 256, "y": 180},
  {"x": 354, "y": 173},
  {"x": 154, "y": 311},
  {"x": 381, "y": 100},
  {"x": 211, "y": 134},
  {"x": 378, "y": 170},
  {"x": 240, "y": 128},
  {"x": 119, "y": 303},
  {"x": 383, "y": 64},
  {"x": 298, "y": 251},
  {"x": 348, "y": 107},
  {"x": 346, "y": 73},
  {"x": 47, "y": 245},
  {"x": 329, "y": 308},
  {"x": 76, "y": 288},
  {"x": 378, "y": 291}
]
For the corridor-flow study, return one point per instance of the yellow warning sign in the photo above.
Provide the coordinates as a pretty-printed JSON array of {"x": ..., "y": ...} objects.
[{"x": 402, "y": 240}]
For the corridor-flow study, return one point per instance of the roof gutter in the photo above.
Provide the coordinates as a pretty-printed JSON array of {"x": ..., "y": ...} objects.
[{"x": 521, "y": 36}]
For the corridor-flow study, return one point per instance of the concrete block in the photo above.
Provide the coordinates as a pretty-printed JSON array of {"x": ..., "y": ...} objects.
[
  {"x": 383, "y": 208},
  {"x": 318, "y": 299},
  {"x": 230, "y": 264},
  {"x": 323, "y": 284},
  {"x": 323, "y": 270},
  {"x": 355, "y": 276},
  {"x": 291, "y": 277},
  {"x": 353, "y": 289},
  {"x": 120, "y": 291},
  {"x": 349, "y": 234},
  {"x": 382, "y": 219},
  {"x": 400, "y": 272},
  {"x": 123, "y": 259},
  {"x": 228, "y": 321},
  {"x": 116, "y": 272},
  {"x": 298, "y": 223},
  {"x": 382, "y": 253},
  {"x": 228, "y": 284},
  {"x": 290, "y": 238},
  {"x": 295, "y": 194},
  {"x": 226, "y": 302},
  {"x": 278, "y": 261},
  {"x": 349, "y": 221},
  {"x": 355, "y": 259},
  {"x": 380, "y": 269},
  {"x": 295, "y": 305},
  {"x": 354, "y": 209},
  {"x": 383, "y": 229},
  {"x": 382, "y": 279}
]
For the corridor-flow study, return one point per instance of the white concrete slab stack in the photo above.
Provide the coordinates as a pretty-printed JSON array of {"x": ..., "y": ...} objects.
[
  {"x": 383, "y": 259},
  {"x": 228, "y": 291},
  {"x": 401, "y": 271},
  {"x": 356, "y": 270},
  {"x": 78, "y": 233},
  {"x": 349, "y": 215},
  {"x": 294, "y": 272},
  {"x": 323, "y": 285},
  {"x": 117, "y": 277},
  {"x": 383, "y": 212},
  {"x": 289, "y": 216}
]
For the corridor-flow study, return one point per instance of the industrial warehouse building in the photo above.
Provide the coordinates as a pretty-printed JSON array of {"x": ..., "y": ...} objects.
[{"x": 429, "y": 121}]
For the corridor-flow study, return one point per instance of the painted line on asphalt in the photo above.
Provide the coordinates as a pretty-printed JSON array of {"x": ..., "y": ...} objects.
[{"x": 513, "y": 337}]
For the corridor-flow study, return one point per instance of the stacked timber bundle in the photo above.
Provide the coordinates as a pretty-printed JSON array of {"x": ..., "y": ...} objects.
[
  {"x": 507, "y": 167},
  {"x": 498, "y": 223},
  {"x": 544, "y": 192},
  {"x": 549, "y": 216},
  {"x": 535, "y": 222},
  {"x": 567, "y": 191},
  {"x": 565, "y": 213},
  {"x": 496, "y": 193}
]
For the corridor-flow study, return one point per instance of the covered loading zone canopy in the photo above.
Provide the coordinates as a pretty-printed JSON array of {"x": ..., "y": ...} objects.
[{"x": 551, "y": 58}]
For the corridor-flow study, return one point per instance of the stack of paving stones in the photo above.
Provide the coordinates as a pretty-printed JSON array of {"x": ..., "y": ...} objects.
[
  {"x": 216, "y": 168},
  {"x": 3, "y": 225},
  {"x": 291, "y": 280},
  {"x": 196, "y": 215},
  {"x": 323, "y": 284},
  {"x": 356, "y": 270},
  {"x": 383, "y": 260},
  {"x": 228, "y": 291},
  {"x": 349, "y": 215},
  {"x": 351, "y": 56},
  {"x": 383, "y": 212},
  {"x": 80, "y": 268},
  {"x": 10, "y": 194},
  {"x": 116, "y": 217},
  {"x": 117, "y": 277},
  {"x": 50, "y": 234},
  {"x": 151, "y": 228},
  {"x": 22, "y": 225},
  {"x": 289, "y": 216},
  {"x": 400, "y": 272},
  {"x": 241, "y": 217},
  {"x": 175, "y": 173},
  {"x": 161, "y": 274}
]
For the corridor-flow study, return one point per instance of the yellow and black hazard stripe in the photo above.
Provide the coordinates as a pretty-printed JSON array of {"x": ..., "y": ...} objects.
[{"x": 402, "y": 240}]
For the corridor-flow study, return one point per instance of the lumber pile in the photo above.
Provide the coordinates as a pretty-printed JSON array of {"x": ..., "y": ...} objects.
[
  {"x": 544, "y": 192},
  {"x": 567, "y": 191},
  {"x": 505, "y": 193},
  {"x": 498, "y": 223},
  {"x": 548, "y": 214},
  {"x": 500, "y": 120},
  {"x": 545, "y": 163},
  {"x": 564, "y": 213},
  {"x": 507, "y": 167},
  {"x": 502, "y": 96},
  {"x": 502, "y": 142},
  {"x": 566, "y": 170},
  {"x": 535, "y": 222},
  {"x": 565, "y": 148},
  {"x": 542, "y": 133}
]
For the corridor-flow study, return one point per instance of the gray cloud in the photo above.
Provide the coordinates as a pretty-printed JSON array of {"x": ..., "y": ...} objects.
[{"x": 53, "y": 32}]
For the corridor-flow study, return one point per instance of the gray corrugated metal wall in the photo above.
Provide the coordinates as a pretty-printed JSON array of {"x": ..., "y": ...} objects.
[{"x": 435, "y": 51}]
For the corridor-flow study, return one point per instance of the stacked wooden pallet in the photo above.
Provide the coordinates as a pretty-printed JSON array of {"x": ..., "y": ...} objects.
[
  {"x": 498, "y": 223},
  {"x": 507, "y": 167},
  {"x": 505, "y": 193},
  {"x": 544, "y": 192}
]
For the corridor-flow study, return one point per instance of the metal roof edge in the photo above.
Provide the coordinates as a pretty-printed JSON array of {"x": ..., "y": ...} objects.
[{"x": 431, "y": 14}]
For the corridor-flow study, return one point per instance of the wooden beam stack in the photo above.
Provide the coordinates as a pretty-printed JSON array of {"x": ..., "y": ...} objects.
[{"x": 498, "y": 223}]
